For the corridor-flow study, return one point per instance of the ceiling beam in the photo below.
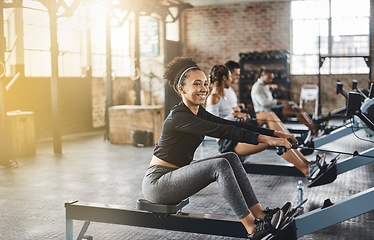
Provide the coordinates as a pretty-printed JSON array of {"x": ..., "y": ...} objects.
[
  {"x": 225, "y": 2},
  {"x": 11, "y": 4}
]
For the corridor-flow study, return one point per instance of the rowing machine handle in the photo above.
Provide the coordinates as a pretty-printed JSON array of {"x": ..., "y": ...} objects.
[{"x": 280, "y": 150}]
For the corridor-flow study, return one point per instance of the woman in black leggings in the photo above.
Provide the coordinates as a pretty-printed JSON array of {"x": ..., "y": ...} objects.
[{"x": 171, "y": 177}]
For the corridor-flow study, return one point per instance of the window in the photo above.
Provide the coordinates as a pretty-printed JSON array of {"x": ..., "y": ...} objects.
[
  {"x": 120, "y": 43},
  {"x": 73, "y": 41},
  {"x": 330, "y": 27},
  {"x": 172, "y": 25}
]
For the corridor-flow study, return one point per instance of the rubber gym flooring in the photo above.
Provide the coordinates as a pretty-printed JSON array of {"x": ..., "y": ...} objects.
[{"x": 32, "y": 196}]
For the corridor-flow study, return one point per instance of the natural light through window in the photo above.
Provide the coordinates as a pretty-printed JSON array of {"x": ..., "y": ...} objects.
[
  {"x": 332, "y": 28},
  {"x": 81, "y": 38}
]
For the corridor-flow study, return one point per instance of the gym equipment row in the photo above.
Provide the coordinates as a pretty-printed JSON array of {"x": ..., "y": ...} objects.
[
  {"x": 339, "y": 132},
  {"x": 170, "y": 217}
]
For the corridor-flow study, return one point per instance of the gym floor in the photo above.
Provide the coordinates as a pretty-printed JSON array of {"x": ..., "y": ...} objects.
[{"x": 32, "y": 196}]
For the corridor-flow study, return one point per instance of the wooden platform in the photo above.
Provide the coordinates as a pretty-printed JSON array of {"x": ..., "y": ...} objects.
[
  {"x": 22, "y": 133},
  {"x": 125, "y": 118}
]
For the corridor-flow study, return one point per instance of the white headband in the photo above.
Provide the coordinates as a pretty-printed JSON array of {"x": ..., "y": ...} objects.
[{"x": 184, "y": 72}]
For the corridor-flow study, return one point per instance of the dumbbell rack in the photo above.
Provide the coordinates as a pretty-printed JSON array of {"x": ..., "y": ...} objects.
[{"x": 250, "y": 65}]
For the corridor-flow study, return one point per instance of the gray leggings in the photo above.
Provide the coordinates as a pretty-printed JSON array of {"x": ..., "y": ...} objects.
[{"x": 169, "y": 186}]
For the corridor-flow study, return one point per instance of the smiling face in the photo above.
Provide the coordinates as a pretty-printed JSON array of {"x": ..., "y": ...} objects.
[
  {"x": 235, "y": 74},
  {"x": 195, "y": 88}
]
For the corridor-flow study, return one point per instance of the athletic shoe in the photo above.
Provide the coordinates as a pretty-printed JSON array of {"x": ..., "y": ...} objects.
[
  {"x": 267, "y": 226},
  {"x": 316, "y": 167},
  {"x": 269, "y": 212},
  {"x": 286, "y": 209}
]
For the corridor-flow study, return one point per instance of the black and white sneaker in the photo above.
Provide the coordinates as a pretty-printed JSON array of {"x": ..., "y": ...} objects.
[
  {"x": 267, "y": 226},
  {"x": 317, "y": 167},
  {"x": 269, "y": 212},
  {"x": 286, "y": 209}
]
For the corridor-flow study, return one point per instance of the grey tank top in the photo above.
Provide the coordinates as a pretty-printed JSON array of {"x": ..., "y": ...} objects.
[{"x": 221, "y": 109}]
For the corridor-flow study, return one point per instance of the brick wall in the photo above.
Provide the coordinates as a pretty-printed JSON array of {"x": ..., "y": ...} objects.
[
  {"x": 123, "y": 94},
  {"x": 214, "y": 34}
]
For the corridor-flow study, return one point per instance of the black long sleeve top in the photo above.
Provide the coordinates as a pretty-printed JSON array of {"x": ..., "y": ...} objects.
[{"x": 183, "y": 132}]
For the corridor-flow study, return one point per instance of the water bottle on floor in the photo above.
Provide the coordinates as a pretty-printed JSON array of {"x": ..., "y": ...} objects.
[{"x": 300, "y": 193}]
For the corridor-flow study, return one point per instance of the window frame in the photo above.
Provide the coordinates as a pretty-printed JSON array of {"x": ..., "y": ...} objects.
[{"x": 359, "y": 68}]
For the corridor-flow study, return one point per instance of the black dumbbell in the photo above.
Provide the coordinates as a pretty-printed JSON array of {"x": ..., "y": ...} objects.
[{"x": 280, "y": 150}]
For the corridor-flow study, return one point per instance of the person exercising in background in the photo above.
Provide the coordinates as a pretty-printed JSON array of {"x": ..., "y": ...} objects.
[
  {"x": 268, "y": 109},
  {"x": 173, "y": 175},
  {"x": 217, "y": 104},
  {"x": 230, "y": 94}
]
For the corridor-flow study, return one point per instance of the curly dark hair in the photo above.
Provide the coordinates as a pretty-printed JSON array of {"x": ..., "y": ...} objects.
[
  {"x": 217, "y": 73},
  {"x": 175, "y": 68}
]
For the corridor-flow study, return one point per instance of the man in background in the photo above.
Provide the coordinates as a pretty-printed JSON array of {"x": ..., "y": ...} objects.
[{"x": 230, "y": 92}]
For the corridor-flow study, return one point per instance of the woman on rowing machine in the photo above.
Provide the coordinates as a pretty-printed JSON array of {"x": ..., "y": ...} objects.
[
  {"x": 220, "y": 78},
  {"x": 172, "y": 176}
]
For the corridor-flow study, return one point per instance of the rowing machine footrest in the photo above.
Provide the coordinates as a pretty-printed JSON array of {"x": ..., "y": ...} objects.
[
  {"x": 145, "y": 205},
  {"x": 327, "y": 177},
  {"x": 288, "y": 232}
]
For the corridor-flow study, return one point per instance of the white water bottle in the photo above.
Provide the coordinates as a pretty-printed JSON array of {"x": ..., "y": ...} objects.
[{"x": 300, "y": 193}]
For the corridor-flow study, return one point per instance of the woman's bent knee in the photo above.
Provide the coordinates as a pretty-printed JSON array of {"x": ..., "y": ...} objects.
[
  {"x": 222, "y": 164},
  {"x": 231, "y": 157}
]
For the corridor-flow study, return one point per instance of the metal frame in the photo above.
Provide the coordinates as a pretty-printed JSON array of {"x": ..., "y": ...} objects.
[
  {"x": 340, "y": 132},
  {"x": 343, "y": 210},
  {"x": 272, "y": 169},
  {"x": 285, "y": 169},
  {"x": 313, "y": 221},
  {"x": 116, "y": 214},
  {"x": 318, "y": 219},
  {"x": 354, "y": 162},
  {"x": 288, "y": 169}
]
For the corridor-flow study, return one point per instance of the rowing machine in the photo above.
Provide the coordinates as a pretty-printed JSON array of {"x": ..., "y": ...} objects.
[
  {"x": 170, "y": 217},
  {"x": 337, "y": 132},
  {"x": 330, "y": 214},
  {"x": 357, "y": 160},
  {"x": 158, "y": 216}
]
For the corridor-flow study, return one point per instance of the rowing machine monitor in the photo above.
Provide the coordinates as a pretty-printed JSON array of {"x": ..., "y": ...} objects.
[
  {"x": 354, "y": 108},
  {"x": 354, "y": 103}
]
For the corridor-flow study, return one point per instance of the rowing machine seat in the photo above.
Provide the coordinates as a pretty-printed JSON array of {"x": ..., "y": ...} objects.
[{"x": 142, "y": 204}]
